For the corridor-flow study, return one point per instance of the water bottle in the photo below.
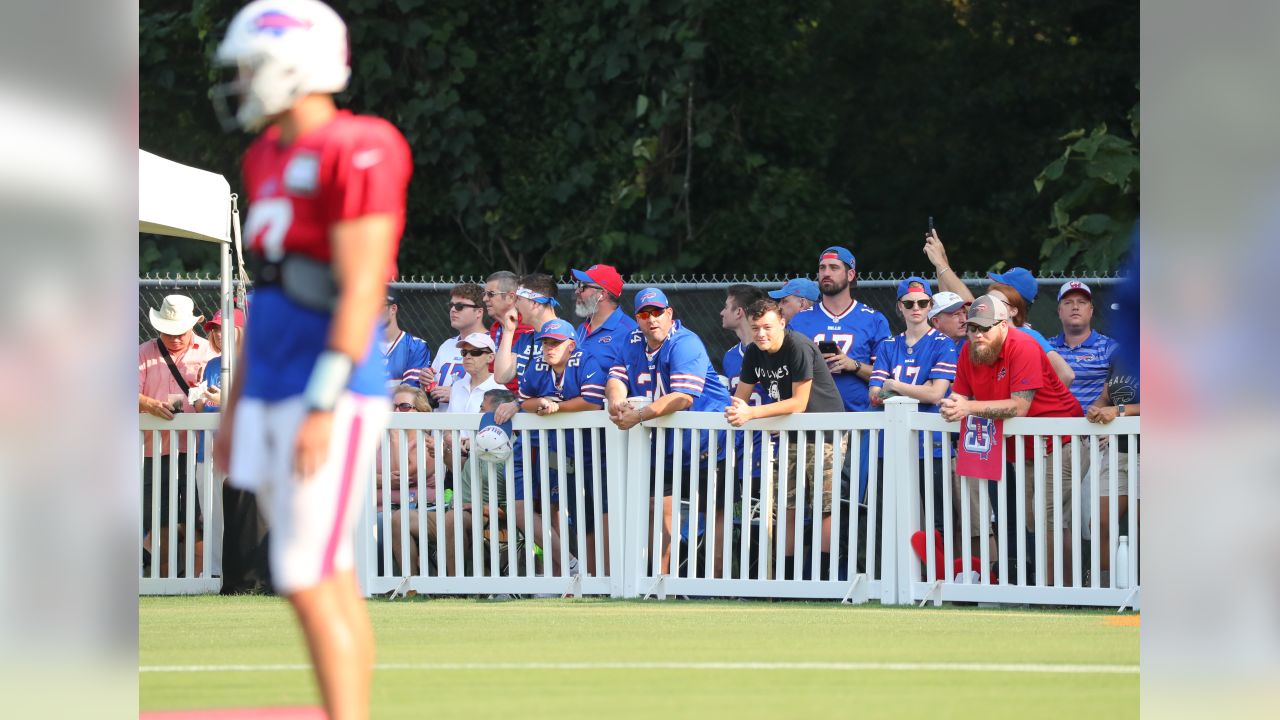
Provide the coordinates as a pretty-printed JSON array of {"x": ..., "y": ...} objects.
[{"x": 1121, "y": 565}]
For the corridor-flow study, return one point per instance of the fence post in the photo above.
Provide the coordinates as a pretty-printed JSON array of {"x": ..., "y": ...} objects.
[
  {"x": 616, "y": 486},
  {"x": 635, "y": 542},
  {"x": 898, "y": 465},
  {"x": 364, "y": 569}
]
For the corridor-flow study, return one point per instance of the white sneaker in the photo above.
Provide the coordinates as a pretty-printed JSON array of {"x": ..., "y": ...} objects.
[{"x": 573, "y": 566}]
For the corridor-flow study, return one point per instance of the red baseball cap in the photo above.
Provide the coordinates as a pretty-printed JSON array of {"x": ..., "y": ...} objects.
[
  {"x": 217, "y": 320},
  {"x": 606, "y": 276}
]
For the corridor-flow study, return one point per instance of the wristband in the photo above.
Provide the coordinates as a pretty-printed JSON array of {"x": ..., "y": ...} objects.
[
  {"x": 328, "y": 380},
  {"x": 945, "y": 269}
]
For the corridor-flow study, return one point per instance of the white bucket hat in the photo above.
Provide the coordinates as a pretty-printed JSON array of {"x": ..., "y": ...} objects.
[{"x": 176, "y": 315}]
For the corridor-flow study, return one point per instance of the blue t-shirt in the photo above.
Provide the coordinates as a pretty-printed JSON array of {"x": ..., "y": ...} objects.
[
  {"x": 680, "y": 364},
  {"x": 606, "y": 343},
  {"x": 1091, "y": 361},
  {"x": 283, "y": 341},
  {"x": 733, "y": 369},
  {"x": 212, "y": 378},
  {"x": 405, "y": 360},
  {"x": 857, "y": 331},
  {"x": 933, "y": 357}
]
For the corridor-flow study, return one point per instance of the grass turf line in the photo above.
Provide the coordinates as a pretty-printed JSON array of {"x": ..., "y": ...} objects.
[{"x": 255, "y": 630}]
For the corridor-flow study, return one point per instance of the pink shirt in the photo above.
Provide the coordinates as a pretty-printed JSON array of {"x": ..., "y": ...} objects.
[{"x": 155, "y": 380}]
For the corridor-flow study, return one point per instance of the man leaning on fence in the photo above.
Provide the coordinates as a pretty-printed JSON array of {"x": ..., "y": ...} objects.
[
  {"x": 667, "y": 365},
  {"x": 1003, "y": 374},
  {"x": 791, "y": 369},
  {"x": 168, "y": 367}
]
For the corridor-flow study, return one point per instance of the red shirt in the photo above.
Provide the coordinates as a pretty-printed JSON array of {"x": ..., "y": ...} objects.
[
  {"x": 352, "y": 166},
  {"x": 1021, "y": 365},
  {"x": 495, "y": 332}
]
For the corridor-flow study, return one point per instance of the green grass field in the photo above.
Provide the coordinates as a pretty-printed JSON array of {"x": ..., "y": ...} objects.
[{"x": 444, "y": 658}]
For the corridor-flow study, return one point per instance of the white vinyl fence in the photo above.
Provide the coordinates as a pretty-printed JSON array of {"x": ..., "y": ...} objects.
[{"x": 477, "y": 538}]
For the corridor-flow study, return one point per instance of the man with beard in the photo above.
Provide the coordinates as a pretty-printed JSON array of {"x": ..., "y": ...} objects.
[
  {"x": 854, "y": 328},
  {"x": 1006, "y": 375},
  {"x": 604, "y": 332}
]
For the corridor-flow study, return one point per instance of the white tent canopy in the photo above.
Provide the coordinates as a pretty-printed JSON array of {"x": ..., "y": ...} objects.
[{"x": 182, "y": 201}]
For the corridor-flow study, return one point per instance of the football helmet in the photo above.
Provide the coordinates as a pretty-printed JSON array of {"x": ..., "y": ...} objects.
[
  {"x": 280, "y": 51},
  {"x": 493, "y": 444}
]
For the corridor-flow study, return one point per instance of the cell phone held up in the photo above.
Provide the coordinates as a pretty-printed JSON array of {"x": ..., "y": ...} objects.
[{"x": 827, "y": 347}]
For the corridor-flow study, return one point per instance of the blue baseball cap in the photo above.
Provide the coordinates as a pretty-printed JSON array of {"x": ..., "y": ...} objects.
[
  {"x": 651, "y": 297},
  {"x": 556, "y": 329},
  {"x": 800, "y": 287},
  {"x": 1019, "y": 279},
  {"x": 904, "y": 287},
  {"x": 835, "y": 252}
]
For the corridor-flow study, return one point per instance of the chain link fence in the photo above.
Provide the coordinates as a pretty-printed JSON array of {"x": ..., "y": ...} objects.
[{"x": 697, "y": 300}]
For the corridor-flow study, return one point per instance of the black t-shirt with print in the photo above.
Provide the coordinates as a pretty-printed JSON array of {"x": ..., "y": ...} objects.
[
  {"x": 796, "y": 361},
  {"x": 1123, "y": 388}
]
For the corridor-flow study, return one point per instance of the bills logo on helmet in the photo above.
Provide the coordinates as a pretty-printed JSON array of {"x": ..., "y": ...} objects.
[{"x": 276, "y": 23}]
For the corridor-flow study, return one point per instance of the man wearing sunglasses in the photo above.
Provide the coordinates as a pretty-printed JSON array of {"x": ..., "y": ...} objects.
[
  {"x": 668, "y": 364},
  {"x": 1005, "y": 375},
  {"x": 407, "y": 357},
  {"x": 466, "y": 316},
  {"x": 605, "y": 330}
]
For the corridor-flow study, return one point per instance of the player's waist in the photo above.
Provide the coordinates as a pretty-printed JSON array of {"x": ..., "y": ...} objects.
[{"x": 305, "y": 280}]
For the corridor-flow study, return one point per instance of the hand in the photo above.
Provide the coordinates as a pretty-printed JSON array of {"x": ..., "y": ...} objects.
[
  {"x": 934, "y": 250},
  {"x": 440, "y": 393},
  {"x": 1103, "y": 415},
  {"x": 509, "y": 320},
  {"x": 839, "y": 362},
  {"x": 428, "y": 376},
  {"x": 615, "y": 410},
  {"x": 157, "y": 408},
  {"x": 505, "y": 412},
  {"x": 311, "y": 447},
  {"x": 953, "y": 409},
  {"x": 464, "y": 446},
  {"x": 222, "y": 442},
  {"x": 547, "y": 406},
  {"x": 627, "y": 418},
  {"x": 212, "y": 397},
  {"x": 873, "y": 396},
  {"x": 738, "y": 412}
]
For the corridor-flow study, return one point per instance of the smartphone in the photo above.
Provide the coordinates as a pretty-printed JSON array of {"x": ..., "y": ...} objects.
[
  {"x": 930, "y": 224},
  {"x": 827, "y": 347}
]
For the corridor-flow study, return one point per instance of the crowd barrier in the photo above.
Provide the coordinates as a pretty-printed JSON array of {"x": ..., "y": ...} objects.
[{"x": 883, "y": 498}]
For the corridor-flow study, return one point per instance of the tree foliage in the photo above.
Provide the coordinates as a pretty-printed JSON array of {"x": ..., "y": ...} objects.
[{"x": 695, "y": 135}]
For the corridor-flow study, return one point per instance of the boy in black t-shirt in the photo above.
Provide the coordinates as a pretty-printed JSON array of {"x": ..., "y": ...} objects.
[{"x": 790, "y": 368}]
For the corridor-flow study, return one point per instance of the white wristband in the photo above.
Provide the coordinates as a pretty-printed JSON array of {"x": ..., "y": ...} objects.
[{"x": 328, "y": 380}]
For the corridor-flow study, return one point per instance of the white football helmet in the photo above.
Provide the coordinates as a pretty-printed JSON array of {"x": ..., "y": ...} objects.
[
  {"x": 281, "y": 50},
  {"x": 493, "y": 444}
]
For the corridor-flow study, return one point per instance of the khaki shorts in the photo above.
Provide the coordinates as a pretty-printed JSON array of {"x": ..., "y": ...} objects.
[
  {"x": 828, "y": 454},
  {"x": 1064, "y": 499}
]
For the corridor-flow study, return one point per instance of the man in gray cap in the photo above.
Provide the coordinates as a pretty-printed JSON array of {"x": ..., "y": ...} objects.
[{"x": 1006, "y": 375}]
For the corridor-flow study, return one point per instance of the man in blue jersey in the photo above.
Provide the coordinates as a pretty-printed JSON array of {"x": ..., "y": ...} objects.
[
  {"x": 854, "y": 328},
  {"x": 733, "y": 316},
  {"x": 1088, "y": 352},
  {"x": 798, "y": 295},
  {"x": 668, "y": 365},
  {"x": 407, "y": 357},
  {"x": 560, "y": 378},
  {"x": 604, "y": 332}
]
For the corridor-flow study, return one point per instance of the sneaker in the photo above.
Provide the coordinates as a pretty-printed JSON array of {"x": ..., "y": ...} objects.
[{"x": 573, "y": 566}]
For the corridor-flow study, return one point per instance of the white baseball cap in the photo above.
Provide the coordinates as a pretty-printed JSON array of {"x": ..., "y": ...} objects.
[
  {"x": 479, "y": 341},
  {"x": 945, "y": 302}
]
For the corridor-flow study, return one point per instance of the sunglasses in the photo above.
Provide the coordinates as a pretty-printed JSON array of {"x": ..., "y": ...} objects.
[
  {"x": 492, "y": 293},
  {"x": 462, "y": 306},
  {"x": 974, "y": 329},
  {"x": 651, "y": 312},
  {"x": 922, "y": 304},
  {"x": 583, "y": 287},
  {"x": 404, "y": 407},
  {"x": 474, "y": 353}
]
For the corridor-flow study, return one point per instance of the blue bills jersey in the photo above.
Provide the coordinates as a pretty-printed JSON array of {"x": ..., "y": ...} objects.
[
  {"x": 733, "y": 369},
  {"x": 406, "y": 359},
  {"x": 582, "y": 377},
  {"x": 933, "y": 357},
  {"x": 680, "y": 364},
  {"x": 857, "y": 331},
  {"x": 606, "y": 342}
]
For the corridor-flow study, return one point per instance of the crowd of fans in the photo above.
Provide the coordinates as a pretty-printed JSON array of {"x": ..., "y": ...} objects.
[{"x": 810, "y": 346}]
